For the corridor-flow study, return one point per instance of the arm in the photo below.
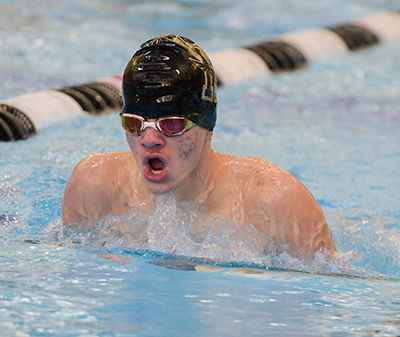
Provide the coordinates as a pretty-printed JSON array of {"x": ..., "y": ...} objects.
[{"x": 287, "y": 211}]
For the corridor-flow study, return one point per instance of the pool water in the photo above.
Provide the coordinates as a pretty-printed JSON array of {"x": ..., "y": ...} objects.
[{"x": 334, "y": 125}]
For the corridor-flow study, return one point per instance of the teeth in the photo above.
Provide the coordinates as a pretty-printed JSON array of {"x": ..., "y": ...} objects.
[
  {"x": 156, "y": 166},
  {"x": 156, "y": 171}
]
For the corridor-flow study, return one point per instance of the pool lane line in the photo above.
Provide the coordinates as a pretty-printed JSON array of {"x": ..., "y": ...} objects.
[
  {"x": 23, "y": 116},
  {"x": 296, "y": 50}
]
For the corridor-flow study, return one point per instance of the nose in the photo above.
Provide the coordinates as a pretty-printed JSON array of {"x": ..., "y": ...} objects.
[{"x": 151, "y": 138}]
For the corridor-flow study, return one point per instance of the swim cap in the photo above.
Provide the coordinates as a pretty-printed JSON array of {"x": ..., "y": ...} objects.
[{"x": 171, "y": 76}]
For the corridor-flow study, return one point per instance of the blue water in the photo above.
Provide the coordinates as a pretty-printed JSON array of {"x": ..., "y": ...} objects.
[{"x": 334, "y": 125}]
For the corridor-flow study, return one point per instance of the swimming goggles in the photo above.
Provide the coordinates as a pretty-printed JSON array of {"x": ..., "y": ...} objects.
[{"x": 168, "y": 126}]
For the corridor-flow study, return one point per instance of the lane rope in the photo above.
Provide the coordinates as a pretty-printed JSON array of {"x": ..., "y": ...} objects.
[{"x": 23, "y": 116}]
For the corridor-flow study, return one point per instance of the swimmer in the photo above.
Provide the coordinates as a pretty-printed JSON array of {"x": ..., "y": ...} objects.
[{"x": 169, "y": 114}]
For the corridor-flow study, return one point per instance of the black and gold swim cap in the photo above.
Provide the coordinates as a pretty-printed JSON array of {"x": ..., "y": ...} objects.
[{"x": 171, "y": 76}]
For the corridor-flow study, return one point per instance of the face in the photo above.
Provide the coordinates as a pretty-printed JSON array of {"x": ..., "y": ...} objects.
[{"x": 169, "y": 163}]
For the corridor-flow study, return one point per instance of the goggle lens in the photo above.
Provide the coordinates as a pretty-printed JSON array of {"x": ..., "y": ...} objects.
[
  {"x": 169, "y": 126},
  {"x": 131, "y": 124},
  {"x": 172, "y": 126}
]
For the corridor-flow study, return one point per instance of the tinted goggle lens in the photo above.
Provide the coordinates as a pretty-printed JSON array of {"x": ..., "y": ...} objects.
[
  {"x": 169, "y": 126},
  {"x": 131, "y": 124}
]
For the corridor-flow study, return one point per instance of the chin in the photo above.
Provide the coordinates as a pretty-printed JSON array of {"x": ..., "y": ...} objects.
[{"x": 158, "y": 189}]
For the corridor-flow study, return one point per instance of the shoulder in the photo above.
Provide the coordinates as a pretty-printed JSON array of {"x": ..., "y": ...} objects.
[
  {"x": 94, "y": 183},
  {"x": 271, "y": 187},
  {"x": 100, "y": 170},
  {"x": 109, "y": 161},
  {"x": 278, "y": 204},
  {"x": 257, "y": 172},
  {"x": 261, "y": 183}
]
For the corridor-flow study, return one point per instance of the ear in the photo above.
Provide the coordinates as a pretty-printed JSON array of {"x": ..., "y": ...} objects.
[{"x": 208, "y": 136}]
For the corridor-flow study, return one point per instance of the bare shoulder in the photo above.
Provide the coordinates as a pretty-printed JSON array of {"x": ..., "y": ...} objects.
[
  {"x": 278, "y": 204},
  {"x": 104, "y": 161},
  {"x": 99, "y": 169},
  {"x": 257, "y": 172},
  {"x": 93, "y": 184},
  {"x": 261, "y": 182}
]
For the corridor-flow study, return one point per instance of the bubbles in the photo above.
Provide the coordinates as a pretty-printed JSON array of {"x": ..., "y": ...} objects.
[
  {"x": 170, "y": 230},
  {"x": 368, "y": 242},
  {"x": 8, "y": 219},
  {"x": 185, "y": 235}
]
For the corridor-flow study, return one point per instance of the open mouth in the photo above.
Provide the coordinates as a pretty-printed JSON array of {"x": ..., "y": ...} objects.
[
  {"x": 156, "y": 165},
  {"x": 154, "y": 169}
]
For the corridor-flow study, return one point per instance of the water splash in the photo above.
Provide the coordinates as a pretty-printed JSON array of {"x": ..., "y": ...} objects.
[
  {"x": 371, "y": 241},
  {"x": 171, "y": 233},
  {"x": 8, "y": 219}
]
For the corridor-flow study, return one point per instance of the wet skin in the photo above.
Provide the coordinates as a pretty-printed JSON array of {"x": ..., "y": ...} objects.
[
  {"x": 239, "y": 189},
  {"x": 171, "y": 164}
]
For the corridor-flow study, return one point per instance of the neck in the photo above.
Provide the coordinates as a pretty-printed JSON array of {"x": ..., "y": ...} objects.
[{"x": 201, "y": 181}]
